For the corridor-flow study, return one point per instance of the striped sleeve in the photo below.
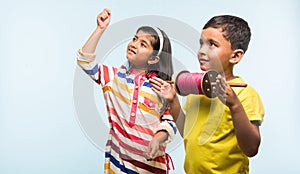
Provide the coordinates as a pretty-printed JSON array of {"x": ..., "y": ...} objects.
[
  {"x": 100, "y": 73},
  {"x": 167, "y": 124}
]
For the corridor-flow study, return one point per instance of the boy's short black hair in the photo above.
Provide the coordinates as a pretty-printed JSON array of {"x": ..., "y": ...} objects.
[{"x": 236, "y": 30}]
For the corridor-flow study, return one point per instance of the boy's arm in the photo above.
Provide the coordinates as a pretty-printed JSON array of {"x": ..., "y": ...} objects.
[{"x": 247, "y": 133}]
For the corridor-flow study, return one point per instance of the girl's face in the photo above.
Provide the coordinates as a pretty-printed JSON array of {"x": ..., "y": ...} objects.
[
  {"x": 139, "y": 50},
  {"x": 215, "y": 51}
]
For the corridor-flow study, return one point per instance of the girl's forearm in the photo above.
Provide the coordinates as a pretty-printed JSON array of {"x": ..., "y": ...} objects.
[{"x": 92, "y": 42}]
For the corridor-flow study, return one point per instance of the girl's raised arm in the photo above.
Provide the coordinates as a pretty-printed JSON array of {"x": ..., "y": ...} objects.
[{"x": 103, "y": 20}]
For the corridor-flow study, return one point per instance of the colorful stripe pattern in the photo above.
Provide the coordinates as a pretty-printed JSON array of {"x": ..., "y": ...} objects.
[{"x": 134, "y": 112}]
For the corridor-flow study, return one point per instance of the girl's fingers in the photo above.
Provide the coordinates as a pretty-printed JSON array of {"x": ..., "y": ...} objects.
[
  {"x": 155, "y": 86},
  {"x": 155, "y": 90},
  {"x": 107, "y": 11},
  {"x": 104, "y": 15},
  {"x": 158, "y": 80},
  {"x": 147, "y": 156}
]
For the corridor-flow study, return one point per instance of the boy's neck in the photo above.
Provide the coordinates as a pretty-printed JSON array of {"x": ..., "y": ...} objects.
[{"x": 229, "y": 76}]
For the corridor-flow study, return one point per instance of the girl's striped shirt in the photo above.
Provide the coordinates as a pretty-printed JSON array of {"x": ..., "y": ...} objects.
[{"x": 135, "y": 114}]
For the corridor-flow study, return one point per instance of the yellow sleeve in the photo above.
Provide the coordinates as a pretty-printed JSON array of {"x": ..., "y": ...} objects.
[{"x": 252, "y": 104}]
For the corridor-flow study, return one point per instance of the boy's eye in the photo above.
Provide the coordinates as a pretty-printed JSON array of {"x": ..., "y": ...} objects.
[
  {"x": 143, "y": 45},
  {"x": 212, "y": 44},
  {"x": 201, "y": 42},
  {"x": 134, "y": 39}
]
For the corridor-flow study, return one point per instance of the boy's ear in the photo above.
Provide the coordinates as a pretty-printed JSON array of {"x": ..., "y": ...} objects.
[
  {"x": 153, "y": 60},
  {"x": 237, "y": 56}
]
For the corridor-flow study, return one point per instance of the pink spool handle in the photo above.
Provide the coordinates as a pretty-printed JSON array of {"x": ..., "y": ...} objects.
[{"x": 195, "y": 83}]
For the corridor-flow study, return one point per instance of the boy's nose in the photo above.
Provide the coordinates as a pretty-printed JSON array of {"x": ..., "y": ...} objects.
[
  {"x": 200, "y": 53},
  {"x": 202, "y": 49}
]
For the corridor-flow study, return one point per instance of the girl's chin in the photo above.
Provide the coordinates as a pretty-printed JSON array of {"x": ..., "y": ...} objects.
[{"x": 129, "y": 57}]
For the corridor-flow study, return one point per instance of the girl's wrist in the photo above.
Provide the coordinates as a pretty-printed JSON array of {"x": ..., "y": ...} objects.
[{"x": 161, "y": 135}]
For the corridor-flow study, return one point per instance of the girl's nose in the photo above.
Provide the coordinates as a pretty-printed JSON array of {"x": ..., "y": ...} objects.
[{"x": 132, "y": 44}]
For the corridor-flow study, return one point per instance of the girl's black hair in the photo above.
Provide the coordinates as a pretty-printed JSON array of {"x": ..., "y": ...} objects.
[{"x": 164, "y": 68}]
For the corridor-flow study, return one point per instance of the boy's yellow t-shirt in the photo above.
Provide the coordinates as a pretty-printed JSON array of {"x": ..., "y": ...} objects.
[{"x": 209, "y": 138}]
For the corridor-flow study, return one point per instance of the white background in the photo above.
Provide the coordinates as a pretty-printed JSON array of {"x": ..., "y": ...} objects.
[{"x": 39, "y": 131}]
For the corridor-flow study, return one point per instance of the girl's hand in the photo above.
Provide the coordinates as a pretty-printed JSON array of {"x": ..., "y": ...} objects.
[
  {"x": 163, "y": 89},
  {"x": 152, "y": 150},
  {"x": 153, "y": 146},
  {"x": 103, "y": 18}
]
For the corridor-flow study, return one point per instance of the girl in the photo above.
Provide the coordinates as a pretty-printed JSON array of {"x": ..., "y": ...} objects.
[{"x": 140, "y": 121}]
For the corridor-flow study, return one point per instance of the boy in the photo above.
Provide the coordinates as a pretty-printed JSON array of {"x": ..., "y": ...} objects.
[{"x": 219, "y": 133}]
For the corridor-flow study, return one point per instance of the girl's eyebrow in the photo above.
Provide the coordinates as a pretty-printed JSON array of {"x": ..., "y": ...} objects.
[{"x": 143, "y": 40}]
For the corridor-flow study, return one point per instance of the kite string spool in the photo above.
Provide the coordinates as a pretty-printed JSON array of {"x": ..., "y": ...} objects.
[
  {"x": 199, "y": 83},
  {"x": 189, "y": 83}
]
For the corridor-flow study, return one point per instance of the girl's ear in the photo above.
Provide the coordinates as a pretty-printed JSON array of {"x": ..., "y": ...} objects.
[
  {"x": 237, "y": 56},
  {"x": 153, "y": 60}
]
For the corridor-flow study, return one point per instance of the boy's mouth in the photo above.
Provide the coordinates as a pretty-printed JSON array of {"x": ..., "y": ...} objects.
[{"x": 203, "y": 60}]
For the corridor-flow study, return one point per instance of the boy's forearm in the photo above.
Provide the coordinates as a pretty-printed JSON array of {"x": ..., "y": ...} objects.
[{"x": 247, "y": 134}]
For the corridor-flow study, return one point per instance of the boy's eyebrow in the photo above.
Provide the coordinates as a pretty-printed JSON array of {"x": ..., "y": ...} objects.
[
  {"x": 209, "y": 40},
  {"x": 213, "y": 41}
]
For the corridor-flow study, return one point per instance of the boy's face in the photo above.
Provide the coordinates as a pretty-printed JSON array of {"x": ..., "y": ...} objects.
[{"x": 215, "y": 51}]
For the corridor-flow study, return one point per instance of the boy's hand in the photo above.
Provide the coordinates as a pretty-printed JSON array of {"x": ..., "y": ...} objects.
[
  {"x": 224, "y": 92},
  {"x": 163, "y": 89},
  {"x": 103, "y": 18}
]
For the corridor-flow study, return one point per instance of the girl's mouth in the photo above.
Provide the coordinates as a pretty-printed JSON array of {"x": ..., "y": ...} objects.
[{"x": 131, "y": 51}]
